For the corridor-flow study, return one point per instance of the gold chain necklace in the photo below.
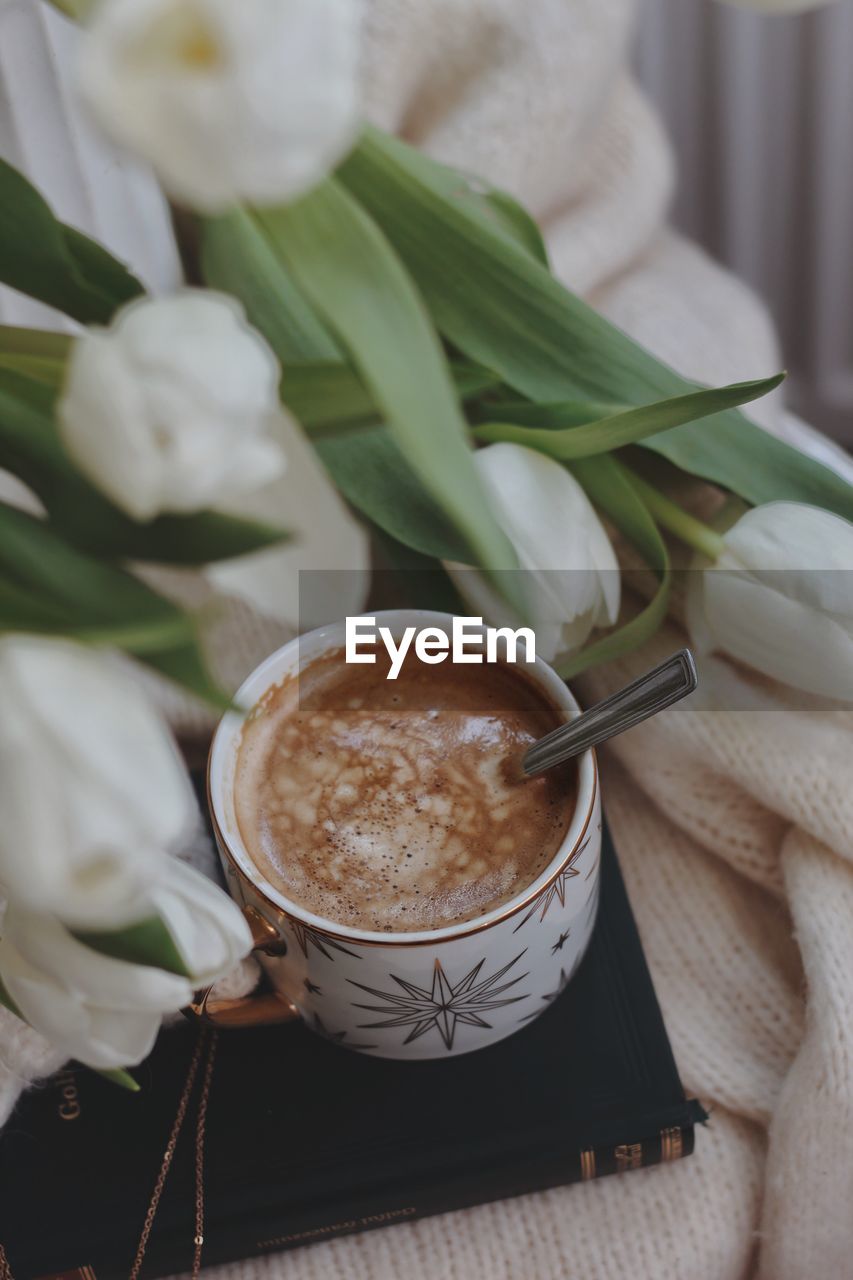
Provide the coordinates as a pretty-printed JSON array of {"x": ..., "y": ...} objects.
[{"x": 206, "y": 1042}]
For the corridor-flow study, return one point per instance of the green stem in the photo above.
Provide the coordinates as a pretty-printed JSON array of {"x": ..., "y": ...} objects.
[
  {"x": 41, "y": 368},
  {"x": 136, "y": 638},
  {"x": 15, "y": 340},
  {"x": 75, "y": 9},
  {"x": 118, "y": 1075},
  {"x": 701, "y": 537}
]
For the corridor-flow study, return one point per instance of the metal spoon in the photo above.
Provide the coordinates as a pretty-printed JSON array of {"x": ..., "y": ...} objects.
[{"x": 644, "y": 697}]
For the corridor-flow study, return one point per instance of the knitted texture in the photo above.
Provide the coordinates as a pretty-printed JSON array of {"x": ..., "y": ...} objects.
[{"x": 731, "y": 813}]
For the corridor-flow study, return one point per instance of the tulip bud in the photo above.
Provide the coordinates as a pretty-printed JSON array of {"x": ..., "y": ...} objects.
[
  {"x": 571, "y": 575},
  {"x": 779, "y": 598},
  {"x": 92, "y": 790},
  {"x": 207, "y": 927},
  {"x": 170, "y": 408},
  {"x": 227, "y": 100},
  {"x": 103, "y": 1012}
]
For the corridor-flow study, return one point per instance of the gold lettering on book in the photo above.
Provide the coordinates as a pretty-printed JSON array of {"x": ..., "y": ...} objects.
[
  {"x": 671, "y": 1144},
  {"x": 69, "y": 1106},
  {"x": 335, "y": 1228},
  {"x": 629, "y": 1155}
]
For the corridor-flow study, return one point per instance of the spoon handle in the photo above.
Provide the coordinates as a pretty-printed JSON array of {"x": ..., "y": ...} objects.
[{"x": 644, "y": 697}]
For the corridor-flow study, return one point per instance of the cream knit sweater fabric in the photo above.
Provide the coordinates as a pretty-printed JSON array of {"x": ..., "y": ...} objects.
[{"x": 733, "y": 815}]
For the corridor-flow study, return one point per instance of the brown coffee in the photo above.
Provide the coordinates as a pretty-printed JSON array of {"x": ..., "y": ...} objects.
[{"x": 393, "y": 805}]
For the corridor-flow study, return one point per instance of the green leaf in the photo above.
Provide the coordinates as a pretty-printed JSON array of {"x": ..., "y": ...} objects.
[
  {"x": 98, "y": 598},
  {"x": 503, "y": 309},
  {"x": 118, "y": 1075},
  {"x": 484, "y": 205},
  {"x": 609, "y": 487},
  {"x": 46, "y": 260},
  {"x": 31, "y": 449},
  {"x": 325, "y": 393},
  {"x": 515, "y": 219},
  {"x": 185, "y": 665},
  {"x": 76, "y": 9},
  {"x": 201, "y": 538},
  {"x": 322, "y": 390},
  {"x": 38, "y": 353},
  {"x": 17, "y": 339},
  {"x": 147, "y": 942},
  {"x": 322, "y": 393},
  {"x": 628, "y": 427},
  {"x": 413, "y": 577},
  {"x": 554, "y": 416},
  {"x": 374, "y": 476},
  {"x": 23, "y": 609},
  {"x": 237, "y": 258},
  {"x": 96, "y": 264},
  {"x": 346, "y": 268},
  {"x": 62, "y": 591},
  {"x": 42, "y": 368}
]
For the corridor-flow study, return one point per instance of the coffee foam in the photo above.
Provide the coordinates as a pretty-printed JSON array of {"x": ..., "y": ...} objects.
[{"x": 395, "y": 806}]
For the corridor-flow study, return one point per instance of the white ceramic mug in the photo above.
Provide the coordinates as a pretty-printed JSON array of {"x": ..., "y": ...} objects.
[{"x": 412, "y": 995}]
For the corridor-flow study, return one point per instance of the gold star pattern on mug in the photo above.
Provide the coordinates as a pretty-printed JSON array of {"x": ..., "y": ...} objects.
[
  {"x": 556, "y": 890},
  {"x": 306, "y": 936},
  {"x": 561, "y": 942},
  {"x": 551, "y": 996},
  {"x": 443, "y": 1005},
  {"x": 338, "y": 1037}
]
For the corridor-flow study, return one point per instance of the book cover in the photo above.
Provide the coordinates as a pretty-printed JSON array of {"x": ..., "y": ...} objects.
[{"x": 306, "y": 1140}]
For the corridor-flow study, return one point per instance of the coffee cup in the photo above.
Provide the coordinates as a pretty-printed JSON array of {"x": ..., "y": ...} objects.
[{"x": 410, "y": 995}]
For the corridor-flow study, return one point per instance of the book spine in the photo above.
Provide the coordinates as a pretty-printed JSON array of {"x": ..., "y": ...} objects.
[
  {"x": 671, "y": 1143},
  {"x": 269, "y": 1234}
]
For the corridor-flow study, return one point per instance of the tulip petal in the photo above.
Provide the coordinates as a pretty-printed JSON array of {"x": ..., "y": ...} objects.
[
  {"x": 100, "y": 1038},
  {"x": 170, "y": 409},
  {"x": 801, "y": 552},
  {"x": 46, "y": 947},
  {"x": 785, "y": 638},
  {"x": 571, "y": 570},
  {"x": 253, "y": 101},
  {"x": 207, "y": 926},
  {"x": 82, "y": 754},
  {"x": 117, "y": 1039},
  {"x": 103, "y": 1012}
]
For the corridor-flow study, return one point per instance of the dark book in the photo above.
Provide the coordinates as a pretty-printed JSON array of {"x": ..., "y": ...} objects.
[{"x": 307, "y": 1140}]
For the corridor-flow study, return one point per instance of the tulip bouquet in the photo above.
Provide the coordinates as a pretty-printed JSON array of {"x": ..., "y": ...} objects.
[{"x": 478, "y": 418}]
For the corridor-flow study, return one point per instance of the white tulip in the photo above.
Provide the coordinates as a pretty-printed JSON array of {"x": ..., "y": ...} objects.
[
  {"x": 206, "y": 925},
  {"x": 228, "y": 100},
  {"x": 92, "y": 790},
  {"x": 571, "y": 577},
  {"x": 103, "y": 1012},
  {"x": 170, "y": 409},
  {"x": 780, "y": 597}
]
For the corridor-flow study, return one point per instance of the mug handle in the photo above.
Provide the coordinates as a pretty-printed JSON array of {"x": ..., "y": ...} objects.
[{"x": 257, "y": 1009}]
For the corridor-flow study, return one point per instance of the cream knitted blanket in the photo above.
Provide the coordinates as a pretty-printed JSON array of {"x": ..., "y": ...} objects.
[{"x": 733, "y": 824}]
